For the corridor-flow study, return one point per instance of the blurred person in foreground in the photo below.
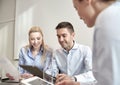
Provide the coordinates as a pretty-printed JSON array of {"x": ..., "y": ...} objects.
[{"x": 104, "y": 15}]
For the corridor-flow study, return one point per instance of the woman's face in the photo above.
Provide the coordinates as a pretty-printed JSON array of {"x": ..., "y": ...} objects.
[
  {"x": 35, "y": 40},
  {"x": 85, "y": 11}
]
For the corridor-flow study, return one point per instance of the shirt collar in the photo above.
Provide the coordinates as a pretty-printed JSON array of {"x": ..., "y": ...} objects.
[
  {"x": 75, "y": 46},
  {"x": 29, "y": 51}
]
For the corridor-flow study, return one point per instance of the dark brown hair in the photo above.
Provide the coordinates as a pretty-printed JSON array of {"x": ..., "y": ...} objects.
[{"x": 67, "y": 25}]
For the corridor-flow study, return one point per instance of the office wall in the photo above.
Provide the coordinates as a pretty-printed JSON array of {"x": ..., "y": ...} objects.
[
  {"x": 17, "y": 16},
  {"x": 47, "y": 14},
  {"x": 7, "y": 20}
]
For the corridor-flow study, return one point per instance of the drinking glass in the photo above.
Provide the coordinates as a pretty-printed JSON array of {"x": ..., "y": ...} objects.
[
  {"x": 47, "y": 77},
  {"x": 0, "y": 75}
]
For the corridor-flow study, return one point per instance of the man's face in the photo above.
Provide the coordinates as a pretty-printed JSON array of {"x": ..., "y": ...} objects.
[
  {"x": 85, "y": 11},
  {"x": 65, "y": 38}
]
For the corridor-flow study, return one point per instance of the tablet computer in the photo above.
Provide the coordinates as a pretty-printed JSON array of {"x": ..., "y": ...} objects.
[
  {"x": 35, "y": 81},
  {"x": 33, "y": 70},
  {"x": 37, "y": 72}
]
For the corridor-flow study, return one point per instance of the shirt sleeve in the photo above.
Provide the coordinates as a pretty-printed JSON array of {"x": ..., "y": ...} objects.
[
  {"x": 21, "y": 61},
  {"x": 87, "y": 77}
]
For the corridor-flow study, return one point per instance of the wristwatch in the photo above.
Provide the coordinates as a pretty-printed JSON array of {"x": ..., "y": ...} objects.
[{"x": 74, "y": 78}]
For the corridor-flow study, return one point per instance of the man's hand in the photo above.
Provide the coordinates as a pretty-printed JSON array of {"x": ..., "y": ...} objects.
[
  {"x": 61, "y": 77},
  {"x": 67, "y": 82}
]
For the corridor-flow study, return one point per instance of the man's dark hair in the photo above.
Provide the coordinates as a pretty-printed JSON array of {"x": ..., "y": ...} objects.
[{"x": 67, "y": 25}]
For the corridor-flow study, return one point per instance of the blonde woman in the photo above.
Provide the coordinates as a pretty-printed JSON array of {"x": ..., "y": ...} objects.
[{"x": 36, "y": 53}]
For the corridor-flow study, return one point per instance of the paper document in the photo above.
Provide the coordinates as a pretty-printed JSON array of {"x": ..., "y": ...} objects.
[{"x": 8, "y": 67}]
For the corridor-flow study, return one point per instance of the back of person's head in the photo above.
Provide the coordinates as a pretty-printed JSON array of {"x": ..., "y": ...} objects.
[
  {"x": 67, "y": 25},
  {"x": 107, "y": 0},
  {"x": 100, "y": 0}
]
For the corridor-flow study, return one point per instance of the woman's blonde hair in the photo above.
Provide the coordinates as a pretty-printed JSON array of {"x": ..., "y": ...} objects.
[{"x": 45, "y": 47}]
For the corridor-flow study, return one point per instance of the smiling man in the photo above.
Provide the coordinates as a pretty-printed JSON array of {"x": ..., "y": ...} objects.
[{"x": 74, "y": 60}]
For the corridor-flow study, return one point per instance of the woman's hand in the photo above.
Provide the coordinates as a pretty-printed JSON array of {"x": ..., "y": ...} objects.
[
  {"x": 26, "y": 75},
  {"x": 10, "y": 76}
]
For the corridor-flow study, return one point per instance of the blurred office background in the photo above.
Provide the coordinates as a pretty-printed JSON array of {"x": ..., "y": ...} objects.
[{"x": 17, "y": 16}]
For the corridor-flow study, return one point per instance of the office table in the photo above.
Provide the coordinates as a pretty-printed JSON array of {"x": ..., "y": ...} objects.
[{"x": 4, "y": 83}]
